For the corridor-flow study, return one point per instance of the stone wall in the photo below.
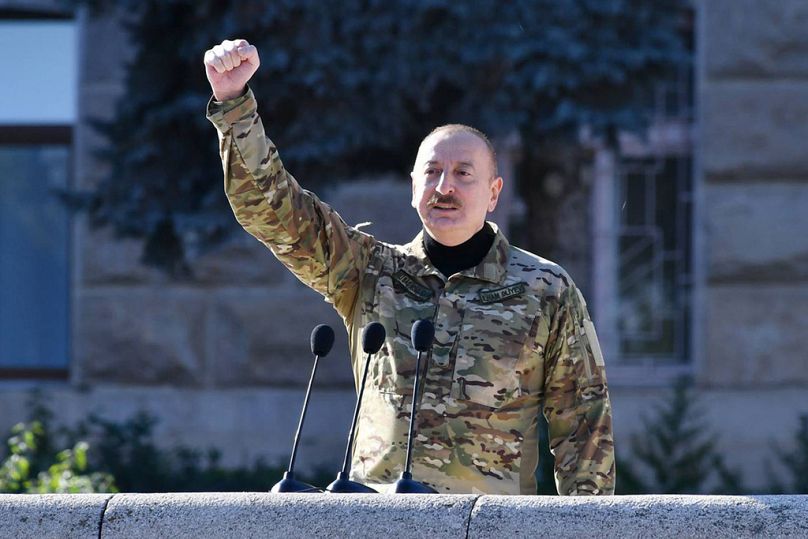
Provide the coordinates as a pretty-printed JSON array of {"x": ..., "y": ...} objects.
[{"x": 753, "y": 102}]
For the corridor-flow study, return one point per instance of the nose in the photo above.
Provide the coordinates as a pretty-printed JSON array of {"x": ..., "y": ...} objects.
[{"x": 445, "y": 185}]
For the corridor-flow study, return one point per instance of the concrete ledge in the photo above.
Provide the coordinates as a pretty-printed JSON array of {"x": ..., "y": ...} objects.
[
  {"x": 640, "y": 516},
  {"x": 226, "y": 515},
  {"x": 46, "y": 516}
]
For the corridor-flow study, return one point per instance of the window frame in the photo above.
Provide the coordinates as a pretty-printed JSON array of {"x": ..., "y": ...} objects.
[
  {"x": 12, "y": 134},
  {"x": 605, "y": 256},
  {"x": 41, "y": 134}
]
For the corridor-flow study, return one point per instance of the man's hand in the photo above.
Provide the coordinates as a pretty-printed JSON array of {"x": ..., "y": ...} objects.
[{"x": 229, "y": 66}]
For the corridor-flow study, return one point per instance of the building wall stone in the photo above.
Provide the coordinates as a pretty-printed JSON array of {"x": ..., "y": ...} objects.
[
  {"x": 756, "y": 39},
  {"x": 141, "y": 335},
  {"x": 754, "y": 231},
  {"x": 757, "y": 336},
  {"x": 754, "y": 129},
  {"x": 753, "y": 105},
  {"x": 261, "y": 337}
]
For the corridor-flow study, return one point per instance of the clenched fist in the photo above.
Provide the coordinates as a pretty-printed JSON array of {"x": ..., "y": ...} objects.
[{"x": 229, "y": 66}]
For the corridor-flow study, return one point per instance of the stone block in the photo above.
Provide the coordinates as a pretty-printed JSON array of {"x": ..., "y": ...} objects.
[
  {"x": 756, "y": 335},
  {"x": 51, "y": 516},
  {"x": 241, "y": 261},
  {"x": 95, "y": 104},
  {"x": 107, "y": 260},
  {"x": 106, "y": 47},
  {"x": 754, "y": 38},
  {"x": 140, "y": 336},
  {"x": 639, "y": 516},
  {"x": 99, "y": 102},
  {"x": 757, "y": 232},
  {"x": 384, "y": 202},
  {"x": 238, "y": 515},
  {"x": 261, "y": 336},
  {"x": 755, "y": 130}
]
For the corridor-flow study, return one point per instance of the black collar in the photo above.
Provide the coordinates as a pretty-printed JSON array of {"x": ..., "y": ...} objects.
[{"x": 450, "y": 260}]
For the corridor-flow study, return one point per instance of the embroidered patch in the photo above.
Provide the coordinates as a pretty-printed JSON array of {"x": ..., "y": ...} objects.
[
  {"x": 499, "y": 294},
  {"x": 412, "y": 287},
  {"x": 589, "y": 328}
]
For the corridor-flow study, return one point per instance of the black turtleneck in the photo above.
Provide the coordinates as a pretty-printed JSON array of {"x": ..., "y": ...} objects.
[{"x": 450, "y": 260}]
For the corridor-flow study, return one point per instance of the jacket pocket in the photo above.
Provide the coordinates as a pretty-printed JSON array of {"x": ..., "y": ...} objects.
[
  {"x": 489, "y": 347},
  {"x": 393, "y": 368}
]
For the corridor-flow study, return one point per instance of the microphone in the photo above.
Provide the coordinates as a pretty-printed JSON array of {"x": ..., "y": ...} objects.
[
  {"x": 322, "y": 339},
  {"x": 372, "y": 339},
  {"x": 423, "y": 333}
]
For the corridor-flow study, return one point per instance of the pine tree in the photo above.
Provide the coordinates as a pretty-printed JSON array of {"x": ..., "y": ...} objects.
[
  {"x": 678, "y": 450},
  {"x": 795, "y": 462}
]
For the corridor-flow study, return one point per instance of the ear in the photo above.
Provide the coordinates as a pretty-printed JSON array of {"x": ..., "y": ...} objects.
[
  {"x": 496, "y": 188},
  {"x": 413, "y": 202}
]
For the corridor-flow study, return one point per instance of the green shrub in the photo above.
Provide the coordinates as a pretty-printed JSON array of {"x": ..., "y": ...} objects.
[
  {"x": 109, "y": 456},
  {"x": 24, "y": 471},
  {"x": 128, "y": 450}
]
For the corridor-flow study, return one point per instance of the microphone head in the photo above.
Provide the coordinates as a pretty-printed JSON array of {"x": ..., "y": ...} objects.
[
  {"x": 322, "y": 339},
  {"x": 373, "y": 337},
  {"x": 422, "y": 334}
]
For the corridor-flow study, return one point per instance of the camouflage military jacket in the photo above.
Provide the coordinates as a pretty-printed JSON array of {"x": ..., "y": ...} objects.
[{"x": 512, "y": 334}]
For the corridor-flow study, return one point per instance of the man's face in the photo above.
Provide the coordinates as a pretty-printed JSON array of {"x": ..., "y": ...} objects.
[{"x": 453, "y": 187}]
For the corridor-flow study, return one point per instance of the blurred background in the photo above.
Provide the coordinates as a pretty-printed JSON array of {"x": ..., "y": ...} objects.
[{"x": 656, "y": 150}]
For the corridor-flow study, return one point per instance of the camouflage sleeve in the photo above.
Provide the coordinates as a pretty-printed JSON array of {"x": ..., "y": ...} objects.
[
  {"x": 305, "y": 234},
  {"x": 576, "y": 401}
]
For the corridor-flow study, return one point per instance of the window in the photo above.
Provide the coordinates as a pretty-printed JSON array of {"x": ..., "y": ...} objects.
[
  {"x": 643, "y": 257},
  {"x": 35, "y": 162},
  {"x": 653, "y": 272}
]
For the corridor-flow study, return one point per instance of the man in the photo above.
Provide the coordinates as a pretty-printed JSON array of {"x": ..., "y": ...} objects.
[{"x": 512, "y": 330}]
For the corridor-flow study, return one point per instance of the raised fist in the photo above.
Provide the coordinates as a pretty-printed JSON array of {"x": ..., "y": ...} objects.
[{"x": 229, "y": 66}]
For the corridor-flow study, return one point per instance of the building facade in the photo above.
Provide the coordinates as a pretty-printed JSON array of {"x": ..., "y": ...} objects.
[{"x": 698, "y": 262}]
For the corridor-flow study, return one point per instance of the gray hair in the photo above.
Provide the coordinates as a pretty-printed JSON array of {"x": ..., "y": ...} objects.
[{"x": 461, "y": 128}]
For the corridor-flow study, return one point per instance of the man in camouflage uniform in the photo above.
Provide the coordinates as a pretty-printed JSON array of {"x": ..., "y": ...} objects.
[{"x": 511, "y": 333}]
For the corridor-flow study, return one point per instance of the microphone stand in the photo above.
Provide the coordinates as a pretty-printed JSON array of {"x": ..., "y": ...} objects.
[
  {"x": 373, "y": 332},
  {"x": 342, "y": 483},
  {"x": 322, "y": 338},
  {"x": 422, "y": 334}
]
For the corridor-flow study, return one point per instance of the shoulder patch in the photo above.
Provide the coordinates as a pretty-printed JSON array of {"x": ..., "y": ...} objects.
[
  {"x": 592, "y": 337},
  {"x": 499, "y": 294},
  {"x": 412, "y": 287}
]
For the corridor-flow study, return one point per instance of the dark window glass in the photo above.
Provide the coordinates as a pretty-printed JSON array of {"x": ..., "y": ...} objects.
[
  {"x": 34, "y": 236},
  {"x": 654, "y": 259}
]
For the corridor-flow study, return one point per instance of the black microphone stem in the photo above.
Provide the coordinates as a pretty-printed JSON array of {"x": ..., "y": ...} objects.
[
  {"x": 413, "y": 411},
  {"x": 346, "y": 462},
  {"x": 302, "y": 416}
]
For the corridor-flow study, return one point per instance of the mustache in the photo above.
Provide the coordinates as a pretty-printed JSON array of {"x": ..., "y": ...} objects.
[{"x": 444, "y": 199}]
